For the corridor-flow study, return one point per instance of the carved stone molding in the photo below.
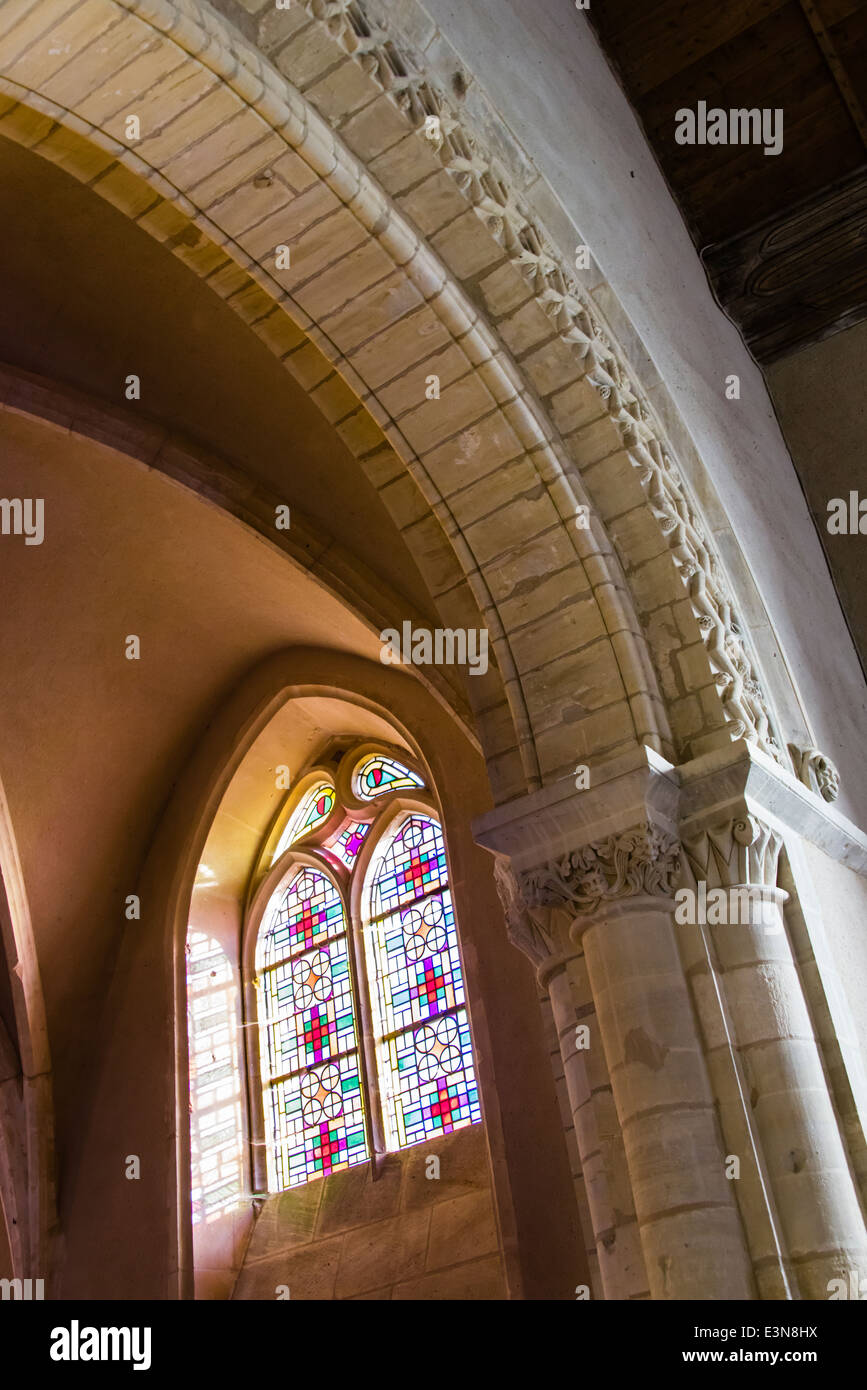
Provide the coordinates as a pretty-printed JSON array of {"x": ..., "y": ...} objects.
[
  {"x": 732, "y": 784},
  {"x": 486, "y": 184},
  {"x": 741, "y": 851},
  {"x": 540, "y": 904},
  {"x": 644, "y": 860}
]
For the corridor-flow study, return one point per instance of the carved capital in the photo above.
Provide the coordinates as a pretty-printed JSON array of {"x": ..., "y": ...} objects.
[
  {"x": 528, "y": 929},
  {"x": 739, "y": 851},
  {"x": 643, "y": 860}
]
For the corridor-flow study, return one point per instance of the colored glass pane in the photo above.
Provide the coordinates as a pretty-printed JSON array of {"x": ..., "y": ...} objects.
[
  {"x": 424, "y": 1052},
  {"x": 348, "y": 843},
  {"x": 311, "y": 812},
  {"x": 415, "y": 864},
  {"x": 376, "y": 776},
  {"x": 308, "y": 1035},
  {"x": 431, "y": 1088}
]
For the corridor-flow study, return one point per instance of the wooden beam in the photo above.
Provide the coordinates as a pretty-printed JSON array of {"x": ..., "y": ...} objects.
[
  {"x": 799, "y": 276},
  {"x": 835, "y": 63}
]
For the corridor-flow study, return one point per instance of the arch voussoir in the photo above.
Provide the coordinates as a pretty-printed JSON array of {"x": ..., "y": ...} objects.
[{"x": 362, "y": 281}]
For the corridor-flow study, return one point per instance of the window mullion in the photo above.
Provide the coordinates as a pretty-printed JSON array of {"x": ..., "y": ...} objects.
[{"x": 368, "y": 1070}]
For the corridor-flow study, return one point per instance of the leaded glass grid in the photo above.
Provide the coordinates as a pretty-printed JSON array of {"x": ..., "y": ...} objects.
[
  {"x": 424, "y": 1052},
  {"x": 308, "y": 1035},
  {"x": 347, "y": 845},
  {"x": 215, "y": 1079},
  {"x": 378, "y": 775}
]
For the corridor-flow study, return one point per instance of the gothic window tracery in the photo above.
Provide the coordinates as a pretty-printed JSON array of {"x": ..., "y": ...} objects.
[
  {"x": 312, "y": 811},
  {"x": 363, "y": 1034},
  {"x": 377, "y": 775},
  {"x": 424, "y": 1053}
]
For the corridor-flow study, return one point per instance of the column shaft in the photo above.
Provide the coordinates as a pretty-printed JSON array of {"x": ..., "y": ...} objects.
[
  {"x": 788, "y": 1092},
  {"x": 597, "y": 1131},
  {"x": 690, "y": 1227}
]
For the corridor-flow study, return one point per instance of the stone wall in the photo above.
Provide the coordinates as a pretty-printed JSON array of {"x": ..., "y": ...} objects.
[{"x": 405, "y": 1236}]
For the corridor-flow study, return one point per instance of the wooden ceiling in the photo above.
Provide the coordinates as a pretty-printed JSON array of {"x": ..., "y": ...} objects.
[{"x": 783, "y": 237}]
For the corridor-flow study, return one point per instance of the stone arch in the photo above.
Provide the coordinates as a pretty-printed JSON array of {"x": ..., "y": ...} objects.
[
  {"x": 610, "y": 663},
  {"x": 148, "y": 988},
  {"x": 712, "y": 696},
  {"x": 27, "y": 1175}
]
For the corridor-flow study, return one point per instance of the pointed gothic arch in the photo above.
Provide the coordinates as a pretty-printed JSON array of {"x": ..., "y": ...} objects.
[{"x": 156, "y": 952}]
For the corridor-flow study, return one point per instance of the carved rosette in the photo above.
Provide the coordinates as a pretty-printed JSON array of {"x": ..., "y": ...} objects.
[{"x": 642, "y": 861}]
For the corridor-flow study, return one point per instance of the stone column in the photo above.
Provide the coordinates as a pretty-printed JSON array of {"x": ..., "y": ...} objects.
[
  {"x": 709, "y": 1046},
  {"x": 593, "y": 873},
  {"x": 620, "y": 890},
  {"x": 543, "y": 934},
  {"x": 759, "y": 1030}
]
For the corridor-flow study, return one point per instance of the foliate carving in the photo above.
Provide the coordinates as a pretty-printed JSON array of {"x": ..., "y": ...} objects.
[
  {"x": 743, "y": 699},
  {"x": 485, "y": 183},
  {"x": 641, "y": 861},
  {"x": 740, "y": 851},
  {"x": 817, "y": 772},
  {"x": 348, "y": 22},
  {"x": 527, "y": 934}
]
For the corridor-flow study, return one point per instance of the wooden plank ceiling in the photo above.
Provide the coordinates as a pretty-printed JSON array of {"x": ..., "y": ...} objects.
[{"x": 783, "y": 237}]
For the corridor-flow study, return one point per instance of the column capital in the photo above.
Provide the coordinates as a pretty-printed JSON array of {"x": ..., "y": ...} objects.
[
  {"x": 741, "y": 783},
  {"x": 544, "y": 906},
  {"x": 638, "y": 788},
  {"x": 742, "y": 850},
  {"x": 563, "y": 852},
  {"x": 531, "y": 931},
  {"x": 641, "y": 861}
]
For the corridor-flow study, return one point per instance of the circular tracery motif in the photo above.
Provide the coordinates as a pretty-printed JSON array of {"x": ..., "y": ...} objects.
[
  {"x": 311, "y": 980},
  {"x": 320, "y": 1094},
  {"x": 424, "y": 929},
  {"x": 413, "y": 835},
  {"x": 438, "y": 1048}
]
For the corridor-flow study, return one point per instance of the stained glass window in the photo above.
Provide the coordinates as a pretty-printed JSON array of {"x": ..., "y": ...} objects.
[
  {"x": 376, "y": 776},
  {"x": 215, "y": 1079},
  {"x": 314, "y": 1106},
  {"x": 348, "y": 842},
  {"x": 311, "y": 812},
  {"x": 424, "y": 1053}
]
